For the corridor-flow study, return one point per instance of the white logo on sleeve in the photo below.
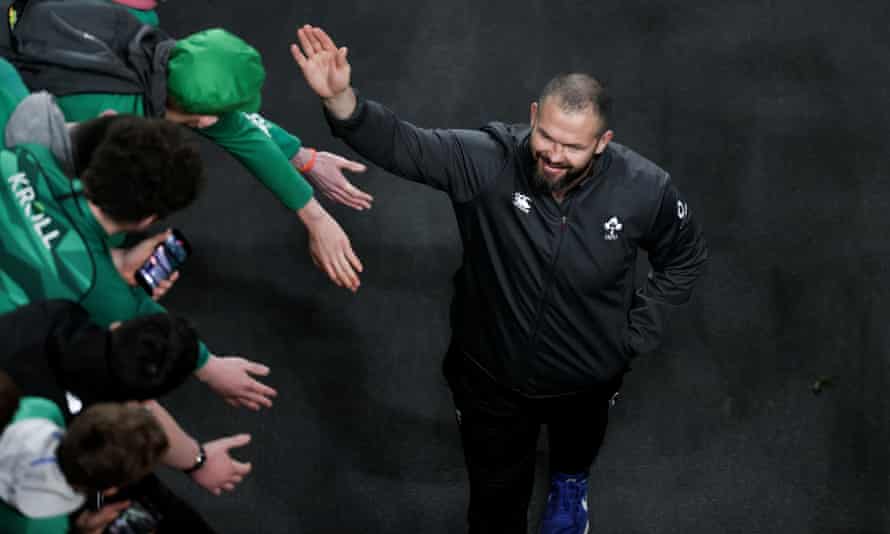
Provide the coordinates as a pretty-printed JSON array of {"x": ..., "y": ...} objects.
[
  {"x": 682, "y": 210},
  {"x": 613, "y": 226},
  {"x": 259, "y": 122},
  {"x": 523, "y": 202}
]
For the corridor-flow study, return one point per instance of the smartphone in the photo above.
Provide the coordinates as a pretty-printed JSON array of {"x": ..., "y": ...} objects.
[
  {"x": 166, "y": 259},
  {"x": 139, "y": 518}
]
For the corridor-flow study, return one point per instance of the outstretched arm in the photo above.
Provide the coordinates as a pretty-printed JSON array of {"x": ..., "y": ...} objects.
[
  {"x": 219, "y": 470},
  {"x": 458, "y": 162}
]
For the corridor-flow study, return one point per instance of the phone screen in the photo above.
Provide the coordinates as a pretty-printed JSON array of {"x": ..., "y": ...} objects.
[
  {"x": 137, "y": 519},
  {"x": 163, "y": 262}
]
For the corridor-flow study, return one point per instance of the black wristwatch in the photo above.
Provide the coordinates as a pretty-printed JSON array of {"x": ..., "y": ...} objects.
[{"x": 199, "y": 460}]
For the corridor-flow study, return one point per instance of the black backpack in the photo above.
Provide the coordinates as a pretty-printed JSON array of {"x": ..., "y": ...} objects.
[{"x": 80, "y": 46}]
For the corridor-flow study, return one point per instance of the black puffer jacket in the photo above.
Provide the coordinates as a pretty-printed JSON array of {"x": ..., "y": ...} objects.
[{"x": 545, "y": 301}]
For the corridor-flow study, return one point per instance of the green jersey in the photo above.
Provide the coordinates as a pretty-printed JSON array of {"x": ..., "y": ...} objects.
[{"x": 51, "y": 245}]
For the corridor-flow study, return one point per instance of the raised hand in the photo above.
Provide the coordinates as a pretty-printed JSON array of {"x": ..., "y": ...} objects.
[{"x": 323, "y": 64}]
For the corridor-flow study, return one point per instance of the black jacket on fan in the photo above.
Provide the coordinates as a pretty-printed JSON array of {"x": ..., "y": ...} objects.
[{"x": 545, "y": 301}]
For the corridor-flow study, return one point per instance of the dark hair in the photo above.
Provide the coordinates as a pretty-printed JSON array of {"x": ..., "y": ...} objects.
[
  {"x": 110, "y": 444},
  {"x": 152, "y": 355},
  {"x": 576, "y": 92},
  {"x": 133, "y": 167},
  {"x": 10, "y": 395}
]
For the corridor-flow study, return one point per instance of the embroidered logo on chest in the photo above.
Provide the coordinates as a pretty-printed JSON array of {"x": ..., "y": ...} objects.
[
  {"x": 522, "y": 202},
  {"x": 612, "y": 226}
]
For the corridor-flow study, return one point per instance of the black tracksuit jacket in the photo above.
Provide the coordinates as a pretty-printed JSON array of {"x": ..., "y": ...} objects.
[{"x": 545, "y": 301}]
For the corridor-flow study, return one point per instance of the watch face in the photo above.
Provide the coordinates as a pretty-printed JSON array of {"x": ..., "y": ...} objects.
[{"x": 200, "y": 458}]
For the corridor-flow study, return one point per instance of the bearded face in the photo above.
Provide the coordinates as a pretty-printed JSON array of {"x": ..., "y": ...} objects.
[{"x": 564, "y": 144}]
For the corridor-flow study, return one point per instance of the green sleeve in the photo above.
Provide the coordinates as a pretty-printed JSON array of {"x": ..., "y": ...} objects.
[
  {"x": 12, "y": 91},
  {"x": 13, "y": 522},
  {"x": 113, "y": 300},
  {"x": 288, "y": 143},
  {"x": 251, "y": 141}
]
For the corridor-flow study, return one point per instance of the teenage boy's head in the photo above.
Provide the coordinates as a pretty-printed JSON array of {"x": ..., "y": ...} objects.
[
  {"x": 210, "y": 73},
  {"x": 139, "y": 359},
  {"x": 110, "y": 445},
  {"x": 136, "y": 170}
]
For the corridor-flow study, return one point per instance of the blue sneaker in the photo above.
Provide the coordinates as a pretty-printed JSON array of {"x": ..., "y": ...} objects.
[{"x": 566, "y": 511}]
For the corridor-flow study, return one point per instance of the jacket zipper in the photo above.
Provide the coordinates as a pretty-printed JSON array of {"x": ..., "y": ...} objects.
[{"x": 549, "y": 285}]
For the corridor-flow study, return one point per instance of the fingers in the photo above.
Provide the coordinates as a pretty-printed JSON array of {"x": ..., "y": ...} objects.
[
  {"x": 347, "y": 274},
  {"x": 353, "y": 260},
  {"x": 304, "y": 38},
  {"x": 96, "y": 521},
  {"x": 159, "y": 238},
  {"x": 254, "y": 400},
  {"x": 314, "y": 40},
  {"x": 340, "y": 271},
  {"x": 164, "y": 286},
  {"x": 242, "y": 469},
  {"x": 323, "y": 38},
  {"x": 255, "y": 368},
  {"x": 233, "y": 442},
  {"x": 353, "y": 166},
  {"x": 263, "y": 389},
  {"x": 358, "y": 198},
  {"x": 341, "y": 57},
  {"x": 298, "y": 55},
  {"x": 110, "y": 511},
  {"x": 250, "y": 405}
]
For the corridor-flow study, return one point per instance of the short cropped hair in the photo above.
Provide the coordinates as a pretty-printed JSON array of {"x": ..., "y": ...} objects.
[
  {"x": 153, "y": 354},
  {"x": 133, "y": 167},
  {"x": 10, "y": 395},
  {"x": 577, "y": 92},
  {"x": 110, "y": 444}
]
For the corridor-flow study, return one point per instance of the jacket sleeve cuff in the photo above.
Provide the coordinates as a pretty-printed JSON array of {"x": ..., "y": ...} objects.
[
  {"x": 341, "y": 127},
  {"x": 203, "y": 355}
]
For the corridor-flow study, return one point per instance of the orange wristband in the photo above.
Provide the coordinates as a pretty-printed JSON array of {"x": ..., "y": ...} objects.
[{"x": 309, "y": 164}]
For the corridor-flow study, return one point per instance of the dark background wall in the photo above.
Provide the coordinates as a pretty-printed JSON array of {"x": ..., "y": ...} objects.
[{"x": 772, "y": 118}]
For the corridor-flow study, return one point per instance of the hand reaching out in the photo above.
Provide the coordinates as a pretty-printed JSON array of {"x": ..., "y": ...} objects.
[
  {"x": 231, "y": 378},
  {"x": 327, "y": 175},
  {"x": 221, "y": 471}
]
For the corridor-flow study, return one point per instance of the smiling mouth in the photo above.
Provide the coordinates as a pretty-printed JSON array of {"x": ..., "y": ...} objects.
[{"x": 552, "y": 169}]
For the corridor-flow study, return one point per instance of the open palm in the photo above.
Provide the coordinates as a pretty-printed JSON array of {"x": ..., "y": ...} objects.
[{"x": 323, "y": 64}]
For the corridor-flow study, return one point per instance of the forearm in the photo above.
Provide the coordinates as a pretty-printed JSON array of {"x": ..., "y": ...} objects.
[
  {"x": 313, "y": 212},
  {"x": 183, "y": 448},
  {"x": 342, "y": 105},
  {"x": 251, "y": 142},
  {"x": 458, "y": 162}
]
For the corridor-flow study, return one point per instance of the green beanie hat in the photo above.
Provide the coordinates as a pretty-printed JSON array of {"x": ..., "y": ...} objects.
[{"x": 213, "y": 72}]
